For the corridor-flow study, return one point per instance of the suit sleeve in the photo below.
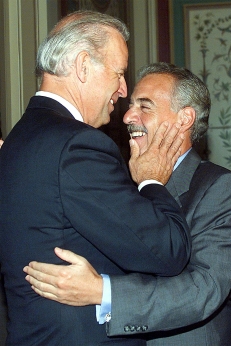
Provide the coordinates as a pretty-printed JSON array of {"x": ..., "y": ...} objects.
[
  {"x": 164, "y": 303},
  {"x": 143, "y": 232}
]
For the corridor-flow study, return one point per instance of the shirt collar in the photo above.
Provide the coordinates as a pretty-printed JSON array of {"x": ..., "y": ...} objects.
[
  {"x": 74, "y": 111},
  {"x": 181, "y": 158}
]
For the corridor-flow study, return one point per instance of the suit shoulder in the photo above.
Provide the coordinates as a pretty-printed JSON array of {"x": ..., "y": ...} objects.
[
  {"x": 208, "y": 172},
  {"x": 212, "y": 168}
]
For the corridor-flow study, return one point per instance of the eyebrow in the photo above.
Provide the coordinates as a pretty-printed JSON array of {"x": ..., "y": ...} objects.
[{"x": 143, "y": 99}]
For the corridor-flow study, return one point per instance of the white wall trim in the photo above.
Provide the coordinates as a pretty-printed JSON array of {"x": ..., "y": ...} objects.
[
  {"x": 152, "y": 31},
  {"x": 13, "y": 64},
  {"x": 41, "y": 22}
]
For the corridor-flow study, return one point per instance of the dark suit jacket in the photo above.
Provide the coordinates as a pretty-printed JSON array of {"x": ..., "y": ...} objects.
[
  {"x": 198, "y": 297},
  {"x": 2, "y": 315},
  {"x": 64, "y": 183}
]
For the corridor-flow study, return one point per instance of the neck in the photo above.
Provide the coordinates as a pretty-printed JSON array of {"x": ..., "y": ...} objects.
[
  {"x": 62, "y": 86},
  {"x": 186, "y": 145}
]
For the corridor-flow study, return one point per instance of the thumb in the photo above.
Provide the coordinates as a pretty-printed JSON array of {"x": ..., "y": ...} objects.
[
  {"x": 134, "y": 149},
  {"x": 67, "y": 255},
  {"x": 72, "y": 258}
]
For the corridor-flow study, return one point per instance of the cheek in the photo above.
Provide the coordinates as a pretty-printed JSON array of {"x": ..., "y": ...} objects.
[
  {"x": 152, "y": 127},
  {"x": 112, "y": 81}
]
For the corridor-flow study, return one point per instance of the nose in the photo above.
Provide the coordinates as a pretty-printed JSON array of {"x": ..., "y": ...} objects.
[
  {"x": 123, "y": 90},
  {"x": 131, "y": 117}
]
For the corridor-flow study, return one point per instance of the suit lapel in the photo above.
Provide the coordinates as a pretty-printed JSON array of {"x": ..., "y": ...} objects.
[{"x": 180, "y": 179}]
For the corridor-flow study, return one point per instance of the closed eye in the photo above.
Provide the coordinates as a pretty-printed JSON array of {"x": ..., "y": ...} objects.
[{"x": 144, "y": 107}]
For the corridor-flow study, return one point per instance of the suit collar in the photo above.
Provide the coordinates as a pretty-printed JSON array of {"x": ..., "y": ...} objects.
[
  {"x": 180, "y": 179},
  {"x": 49, "y": 104},
  {"x": 73, "y": 110}
]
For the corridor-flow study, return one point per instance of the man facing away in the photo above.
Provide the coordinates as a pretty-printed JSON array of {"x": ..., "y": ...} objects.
[
  {"x": 192, "y": 308},
  {"x": 64, "y": 183}
]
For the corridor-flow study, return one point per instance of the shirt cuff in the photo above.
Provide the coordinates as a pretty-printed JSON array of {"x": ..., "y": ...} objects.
[
  {"x": 103, "y": 311},
  {"x": 146, "y": 182}
]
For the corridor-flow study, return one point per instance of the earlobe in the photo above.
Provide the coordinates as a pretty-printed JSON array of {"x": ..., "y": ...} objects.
[{"x": 82, "y": 65}]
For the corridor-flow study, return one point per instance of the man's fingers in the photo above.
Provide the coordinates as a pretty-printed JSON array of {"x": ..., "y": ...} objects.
[
  {"x": 46, "y": 291},
  {"x": 176, "y": 145},
  {"x": 74, "y": 259},
  {"x": 38, "y": 268},
  {"x": 40, "y": 286},
  {"x": 35, "y": 277},
  {"x": 68, "y": 256},
  {"x": 34, "y": 268},
  {"x": 171, "y": 136},
  {"x": 134, "y": 150},
  {"x": 45, "y": 294},
  {"x": 160, "y": 135}
]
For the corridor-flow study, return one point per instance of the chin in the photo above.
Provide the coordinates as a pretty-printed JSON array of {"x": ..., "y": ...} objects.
[{"x": 107, "y": 121}]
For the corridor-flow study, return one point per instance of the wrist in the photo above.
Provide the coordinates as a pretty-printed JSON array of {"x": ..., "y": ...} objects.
[{"x": 98, "y": 290}]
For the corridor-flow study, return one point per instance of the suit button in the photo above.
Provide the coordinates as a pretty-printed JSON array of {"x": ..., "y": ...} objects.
[
  {"x": 129, "y": 328},
  {"x": 144, "y": 328},
  {"x": 126, "y": 329}
]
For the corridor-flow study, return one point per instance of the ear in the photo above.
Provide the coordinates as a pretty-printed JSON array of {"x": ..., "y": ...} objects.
[
  {"x": 82, "y": 66},
  {"x": 187, "y": 117}
]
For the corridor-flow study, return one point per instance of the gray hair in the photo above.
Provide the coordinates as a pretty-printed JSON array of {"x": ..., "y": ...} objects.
[
  {"x": 188, "y": 91},
  {"x": 80, "y": 30}
]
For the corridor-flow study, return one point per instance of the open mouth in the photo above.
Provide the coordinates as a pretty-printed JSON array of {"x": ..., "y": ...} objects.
[
  {"x": 136, "y": 131},
  {"x": 137, "y": 134}
]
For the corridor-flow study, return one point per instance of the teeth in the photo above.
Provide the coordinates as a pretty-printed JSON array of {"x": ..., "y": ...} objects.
[
  {"x": 138, "y": 134},
  {"x": 112, "y": 102}
]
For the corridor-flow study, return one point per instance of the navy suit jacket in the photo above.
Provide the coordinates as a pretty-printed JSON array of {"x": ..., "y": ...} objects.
[
  {"x": 194, "y": 307},
  {"x": 64, "y": 183}
]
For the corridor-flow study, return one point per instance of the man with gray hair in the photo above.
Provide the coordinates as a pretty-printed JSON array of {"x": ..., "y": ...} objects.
[
  {"x": 64, "y": 183},
  {"x": 192, "y": 308}
]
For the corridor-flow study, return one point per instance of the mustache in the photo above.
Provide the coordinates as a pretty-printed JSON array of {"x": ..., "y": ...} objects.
[{"x": 136, "y": 128}]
